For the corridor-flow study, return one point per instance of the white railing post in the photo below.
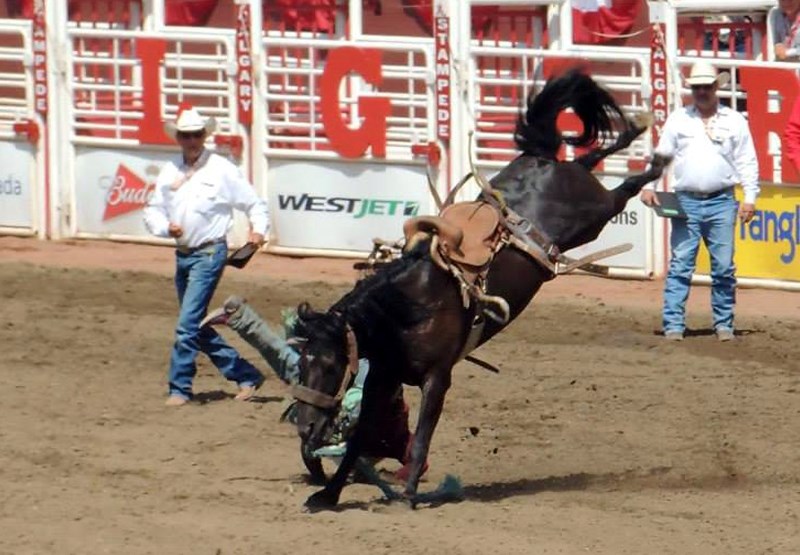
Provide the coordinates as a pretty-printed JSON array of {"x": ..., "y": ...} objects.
[
  {"x": 461, "y": 97},
  {"x": 355, "y": 15},
  {"x": 56, "y": 144},
  {"x": 255, "y": 137}
]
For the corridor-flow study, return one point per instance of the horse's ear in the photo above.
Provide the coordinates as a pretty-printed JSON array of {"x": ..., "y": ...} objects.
[
  {"x": 304, "y": 310},
  {"x": 296, "y": 341}
]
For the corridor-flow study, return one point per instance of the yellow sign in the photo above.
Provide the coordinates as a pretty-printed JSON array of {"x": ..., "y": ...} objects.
[{"x": 769, "y": 246}]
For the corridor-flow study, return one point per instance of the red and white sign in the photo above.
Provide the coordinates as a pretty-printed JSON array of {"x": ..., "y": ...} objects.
[
  {"x": 658, "y": 81},
  {"x": 763, "y": 84},
  {"x": 151, "y": 51},
  {"x": 114, "y": 186},
  {"x": 39, "y": 60},
  {"x": 128, "y": 193},
  {"x": 442, "y": 41},
  {"x": 599, "y": 21},
  {"x": 346, "y": 141},
  {"x": 244, "y": 66}
]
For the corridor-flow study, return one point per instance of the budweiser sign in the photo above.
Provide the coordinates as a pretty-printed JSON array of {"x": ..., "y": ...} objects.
[{"x": 128, "y": 192}]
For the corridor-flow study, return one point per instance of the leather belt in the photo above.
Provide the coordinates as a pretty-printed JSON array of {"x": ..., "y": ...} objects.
[
  {"x": 704, "y": 196},
  {"x": 190, "y": 250}
]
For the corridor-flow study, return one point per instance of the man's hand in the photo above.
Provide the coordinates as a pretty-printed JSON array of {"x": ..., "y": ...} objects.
[
  {"x": 649, "y": 198},
  {"x": 780, "y": 51},
  {"x": 746, "y": 212},
  {"x": 175, "y": 230},
  {"x": 256, "y": 238}
]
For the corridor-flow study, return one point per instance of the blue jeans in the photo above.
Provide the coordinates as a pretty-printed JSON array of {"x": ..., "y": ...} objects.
[
  {"x": 281, "y": 357},
  {"x": 712, "y": 220},
  {"x": 196, "y": 277}
]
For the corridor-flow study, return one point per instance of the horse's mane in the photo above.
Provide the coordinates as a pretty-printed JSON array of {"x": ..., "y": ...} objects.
[
  {"x": 377, "y": 309},
  {"x": 537, "y": 133}
]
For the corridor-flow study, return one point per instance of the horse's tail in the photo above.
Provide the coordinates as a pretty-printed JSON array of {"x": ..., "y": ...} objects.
[{"x": 537, "y": 133}]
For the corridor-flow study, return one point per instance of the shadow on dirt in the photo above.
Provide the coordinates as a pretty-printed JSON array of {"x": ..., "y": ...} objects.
[
  {"x": 219, "y": 395},
  {"x": 571, "y": 482}
]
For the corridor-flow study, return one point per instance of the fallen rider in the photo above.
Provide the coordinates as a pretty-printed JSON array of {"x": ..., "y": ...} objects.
[{"x": 396, "y": 439}]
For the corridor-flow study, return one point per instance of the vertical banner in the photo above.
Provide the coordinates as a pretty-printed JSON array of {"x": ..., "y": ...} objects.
[
  {"x": 658, "y": 81},
  {"x": 40, "y": 59},
  {"x": 442, "y": 41},
  {"x": 443, "y": 90},
  {"x": 151, "y": 52},
  {"x": 244, "y": 66}
]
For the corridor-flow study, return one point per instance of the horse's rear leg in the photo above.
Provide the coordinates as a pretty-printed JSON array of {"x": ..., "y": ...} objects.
[
  {"x": 633, "y": 185},
  {"x": 594, "y": 156},
  {"x": 433, "y": 393}
]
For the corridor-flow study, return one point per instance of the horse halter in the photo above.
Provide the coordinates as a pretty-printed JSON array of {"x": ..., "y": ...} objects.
[{"x": 322, "y": 400}]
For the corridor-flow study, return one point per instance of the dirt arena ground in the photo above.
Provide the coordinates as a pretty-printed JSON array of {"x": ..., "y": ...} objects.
[{"x": 597, "y": 437}]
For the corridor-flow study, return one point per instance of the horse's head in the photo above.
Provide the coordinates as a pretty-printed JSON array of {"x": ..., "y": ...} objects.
[{"x": 328, "y": 363}]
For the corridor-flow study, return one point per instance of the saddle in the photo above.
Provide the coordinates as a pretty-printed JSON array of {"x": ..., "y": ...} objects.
[
  {"x": 468, "y": 233},
  {"x": 465, "y": 238}
]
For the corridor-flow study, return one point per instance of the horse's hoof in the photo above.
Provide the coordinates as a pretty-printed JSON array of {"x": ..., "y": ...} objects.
[
  {"x": 321, "y": 501},
  {"x": 643, "y": 120},
  {"x": 410, "y": 500}
]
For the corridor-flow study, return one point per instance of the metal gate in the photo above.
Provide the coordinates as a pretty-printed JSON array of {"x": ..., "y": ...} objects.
[
  {"x": 120, "y": 85},
  {"x": 346, "y": 134},
  {"x": 22, "y": 196}
]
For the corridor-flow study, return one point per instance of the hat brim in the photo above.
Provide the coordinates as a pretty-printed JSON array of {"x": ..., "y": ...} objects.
[
  {"x": 171, "y": 129},
  {"x": 721, "y": 80}
]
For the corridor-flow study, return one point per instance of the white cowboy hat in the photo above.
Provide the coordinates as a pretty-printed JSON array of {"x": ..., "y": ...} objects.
[
  {"x": 189, "y": 121},
  {"x": 703, "y": 73}
]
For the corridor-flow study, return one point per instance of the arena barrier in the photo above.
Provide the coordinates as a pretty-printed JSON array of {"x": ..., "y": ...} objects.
[{"x": 338, "y": 111}]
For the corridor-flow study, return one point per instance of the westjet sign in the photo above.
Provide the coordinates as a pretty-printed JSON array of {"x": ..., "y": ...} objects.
[
  {"x": 351, "y": 206},
  {"x": 343, "y": 205}
]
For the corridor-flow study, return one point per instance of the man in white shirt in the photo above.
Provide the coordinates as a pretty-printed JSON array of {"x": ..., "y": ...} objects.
[
  {"x": 785, "y": 23},
  {"x": 193, "y": 203},
  {"x": 713, "y": 152}
]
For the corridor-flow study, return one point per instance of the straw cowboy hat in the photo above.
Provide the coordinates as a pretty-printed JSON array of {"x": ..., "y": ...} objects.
[
  {"x": 703, "y": 73},
  {"x": 190, "y": 121}
]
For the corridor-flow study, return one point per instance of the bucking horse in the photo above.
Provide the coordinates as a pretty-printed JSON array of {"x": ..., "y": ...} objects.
[{"x": 462, "y": 279}]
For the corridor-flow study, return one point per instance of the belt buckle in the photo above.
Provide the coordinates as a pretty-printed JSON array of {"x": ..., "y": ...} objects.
[{"x": 189, "y": 250}]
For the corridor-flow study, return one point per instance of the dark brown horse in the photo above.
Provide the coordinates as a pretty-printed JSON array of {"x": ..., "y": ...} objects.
[{"x": 409, "y": 319}]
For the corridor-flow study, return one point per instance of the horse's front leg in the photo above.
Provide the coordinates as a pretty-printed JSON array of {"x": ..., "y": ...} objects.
[
  {"x": 328, "y": 497},
  {"x": 373, "y": 399},
  {"x": 432, "y": 402}
]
